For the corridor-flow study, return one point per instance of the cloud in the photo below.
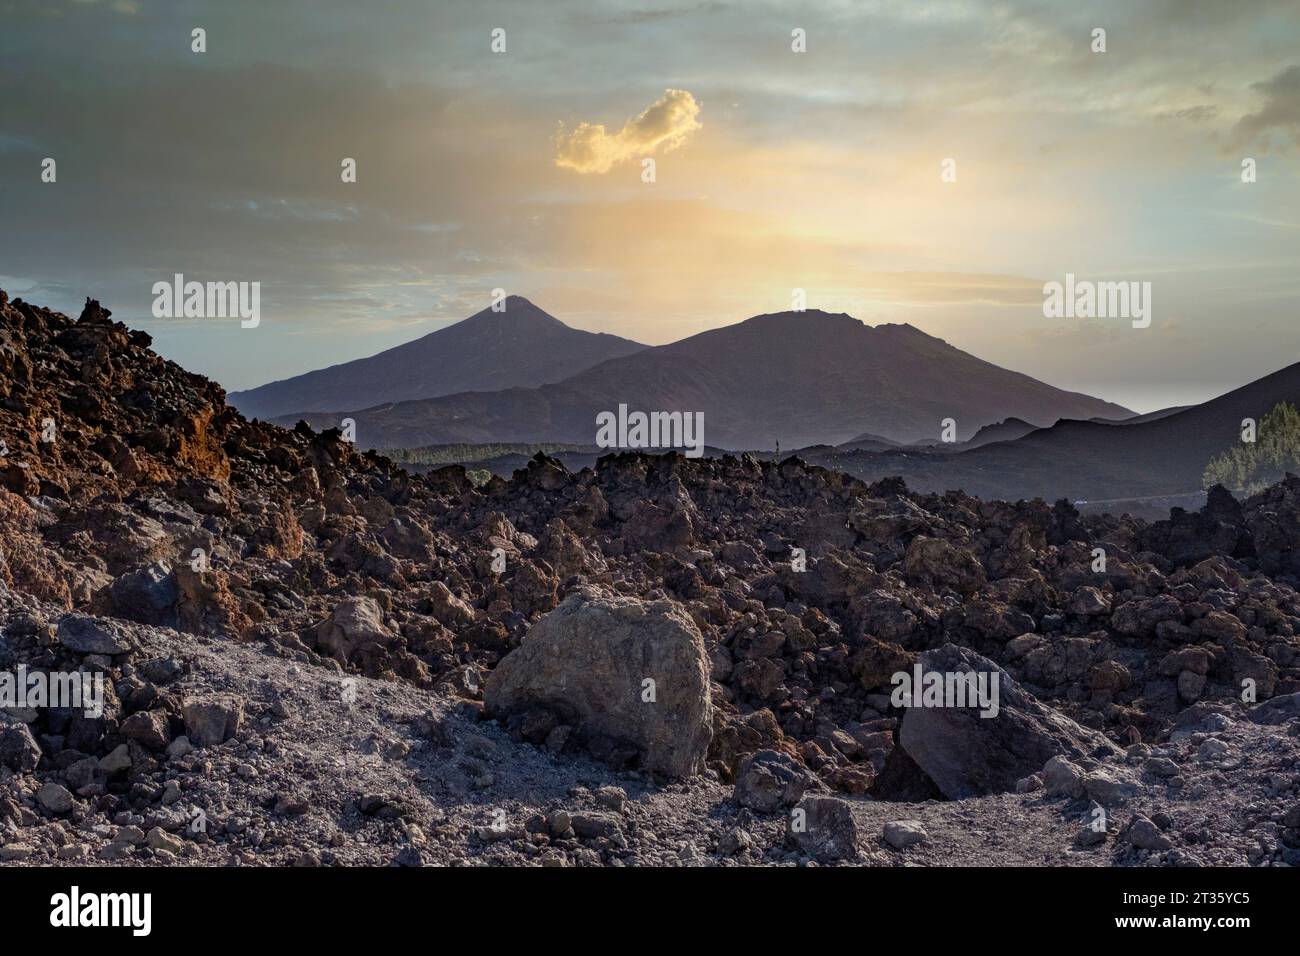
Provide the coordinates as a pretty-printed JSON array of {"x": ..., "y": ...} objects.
[
  {"x": 127, "y": 7},
  {"x": 666, "y": 123},
  {"x": 1281, "y": 108}
]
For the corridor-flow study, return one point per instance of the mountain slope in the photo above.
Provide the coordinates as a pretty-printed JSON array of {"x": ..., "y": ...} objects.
[
  {"x": 1148, "y": 417},
  {"x": 522, "y": 346},
  {"x": 1094, "y": 460},
  {"x": 800, "y": 378}
]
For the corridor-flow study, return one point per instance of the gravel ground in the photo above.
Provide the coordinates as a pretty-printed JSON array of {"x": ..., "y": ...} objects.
[{"x": 355, "y": 771}]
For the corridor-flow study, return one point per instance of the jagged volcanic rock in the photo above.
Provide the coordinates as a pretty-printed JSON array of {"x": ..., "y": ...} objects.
[
  {"x": 134, "y": 498},
  {"x": 968, "y": 752}
]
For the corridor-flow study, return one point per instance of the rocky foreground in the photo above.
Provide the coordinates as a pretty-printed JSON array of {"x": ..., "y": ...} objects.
[{"x": 312, "y": 656}]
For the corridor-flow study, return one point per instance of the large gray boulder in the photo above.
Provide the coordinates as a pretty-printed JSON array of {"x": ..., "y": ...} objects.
[
  {"x": 356, "y": 625},
  {"x": 768, "y": 781},
  {"x": 967, "y": 755},
  {"x": 590, "y": 661},
  {"x": 1275, "y": 711},
  {"x": 148, "y": 594},
  {"x": 18, "y": 748},
  {"x": 823, "y": 827},
  {"x": 213, "y": 720},
  {"x": 94, "y": 635}
]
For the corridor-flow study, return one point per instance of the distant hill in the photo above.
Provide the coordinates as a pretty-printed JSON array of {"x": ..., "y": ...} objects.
[
  {"x": 798, "y": 378},
  {"x": 1162, "y": 456},
  {"x": 867, "y": 441},
  {"x": 522, "y": 346},
  {"x": 1009, "y": 430}
]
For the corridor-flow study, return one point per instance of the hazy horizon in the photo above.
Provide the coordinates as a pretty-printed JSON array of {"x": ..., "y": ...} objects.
[{"x": 775, "y": 170}]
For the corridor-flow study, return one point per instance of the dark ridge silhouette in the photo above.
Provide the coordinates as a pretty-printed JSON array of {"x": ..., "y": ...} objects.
[
  {"x": 1009, "y": 430},
  {"x": 1094, "y": 460},
  {"x": 868, "y": 442}
]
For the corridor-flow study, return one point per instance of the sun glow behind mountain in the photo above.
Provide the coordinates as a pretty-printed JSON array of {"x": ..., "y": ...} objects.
[{"x": 775, "y": 170}]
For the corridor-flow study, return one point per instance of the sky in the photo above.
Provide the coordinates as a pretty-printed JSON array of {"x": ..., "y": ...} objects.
[{"x": 774, "y": 170}]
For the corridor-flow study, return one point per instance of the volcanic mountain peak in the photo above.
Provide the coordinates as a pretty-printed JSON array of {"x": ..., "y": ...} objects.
[
  {"x": 798, "y": 378},
  {"x": 515, "y": 309},
  {"x": 519, "y": 346},
  {"x": 802, "y": 317},
  {"x": 819, "y": 323}
]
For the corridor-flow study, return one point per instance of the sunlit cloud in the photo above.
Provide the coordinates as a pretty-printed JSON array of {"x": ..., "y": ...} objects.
[{"x": 665, "y": 124}]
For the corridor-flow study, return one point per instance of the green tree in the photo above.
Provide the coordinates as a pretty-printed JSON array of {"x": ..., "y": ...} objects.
[{"x": 1250, "y": 467}]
